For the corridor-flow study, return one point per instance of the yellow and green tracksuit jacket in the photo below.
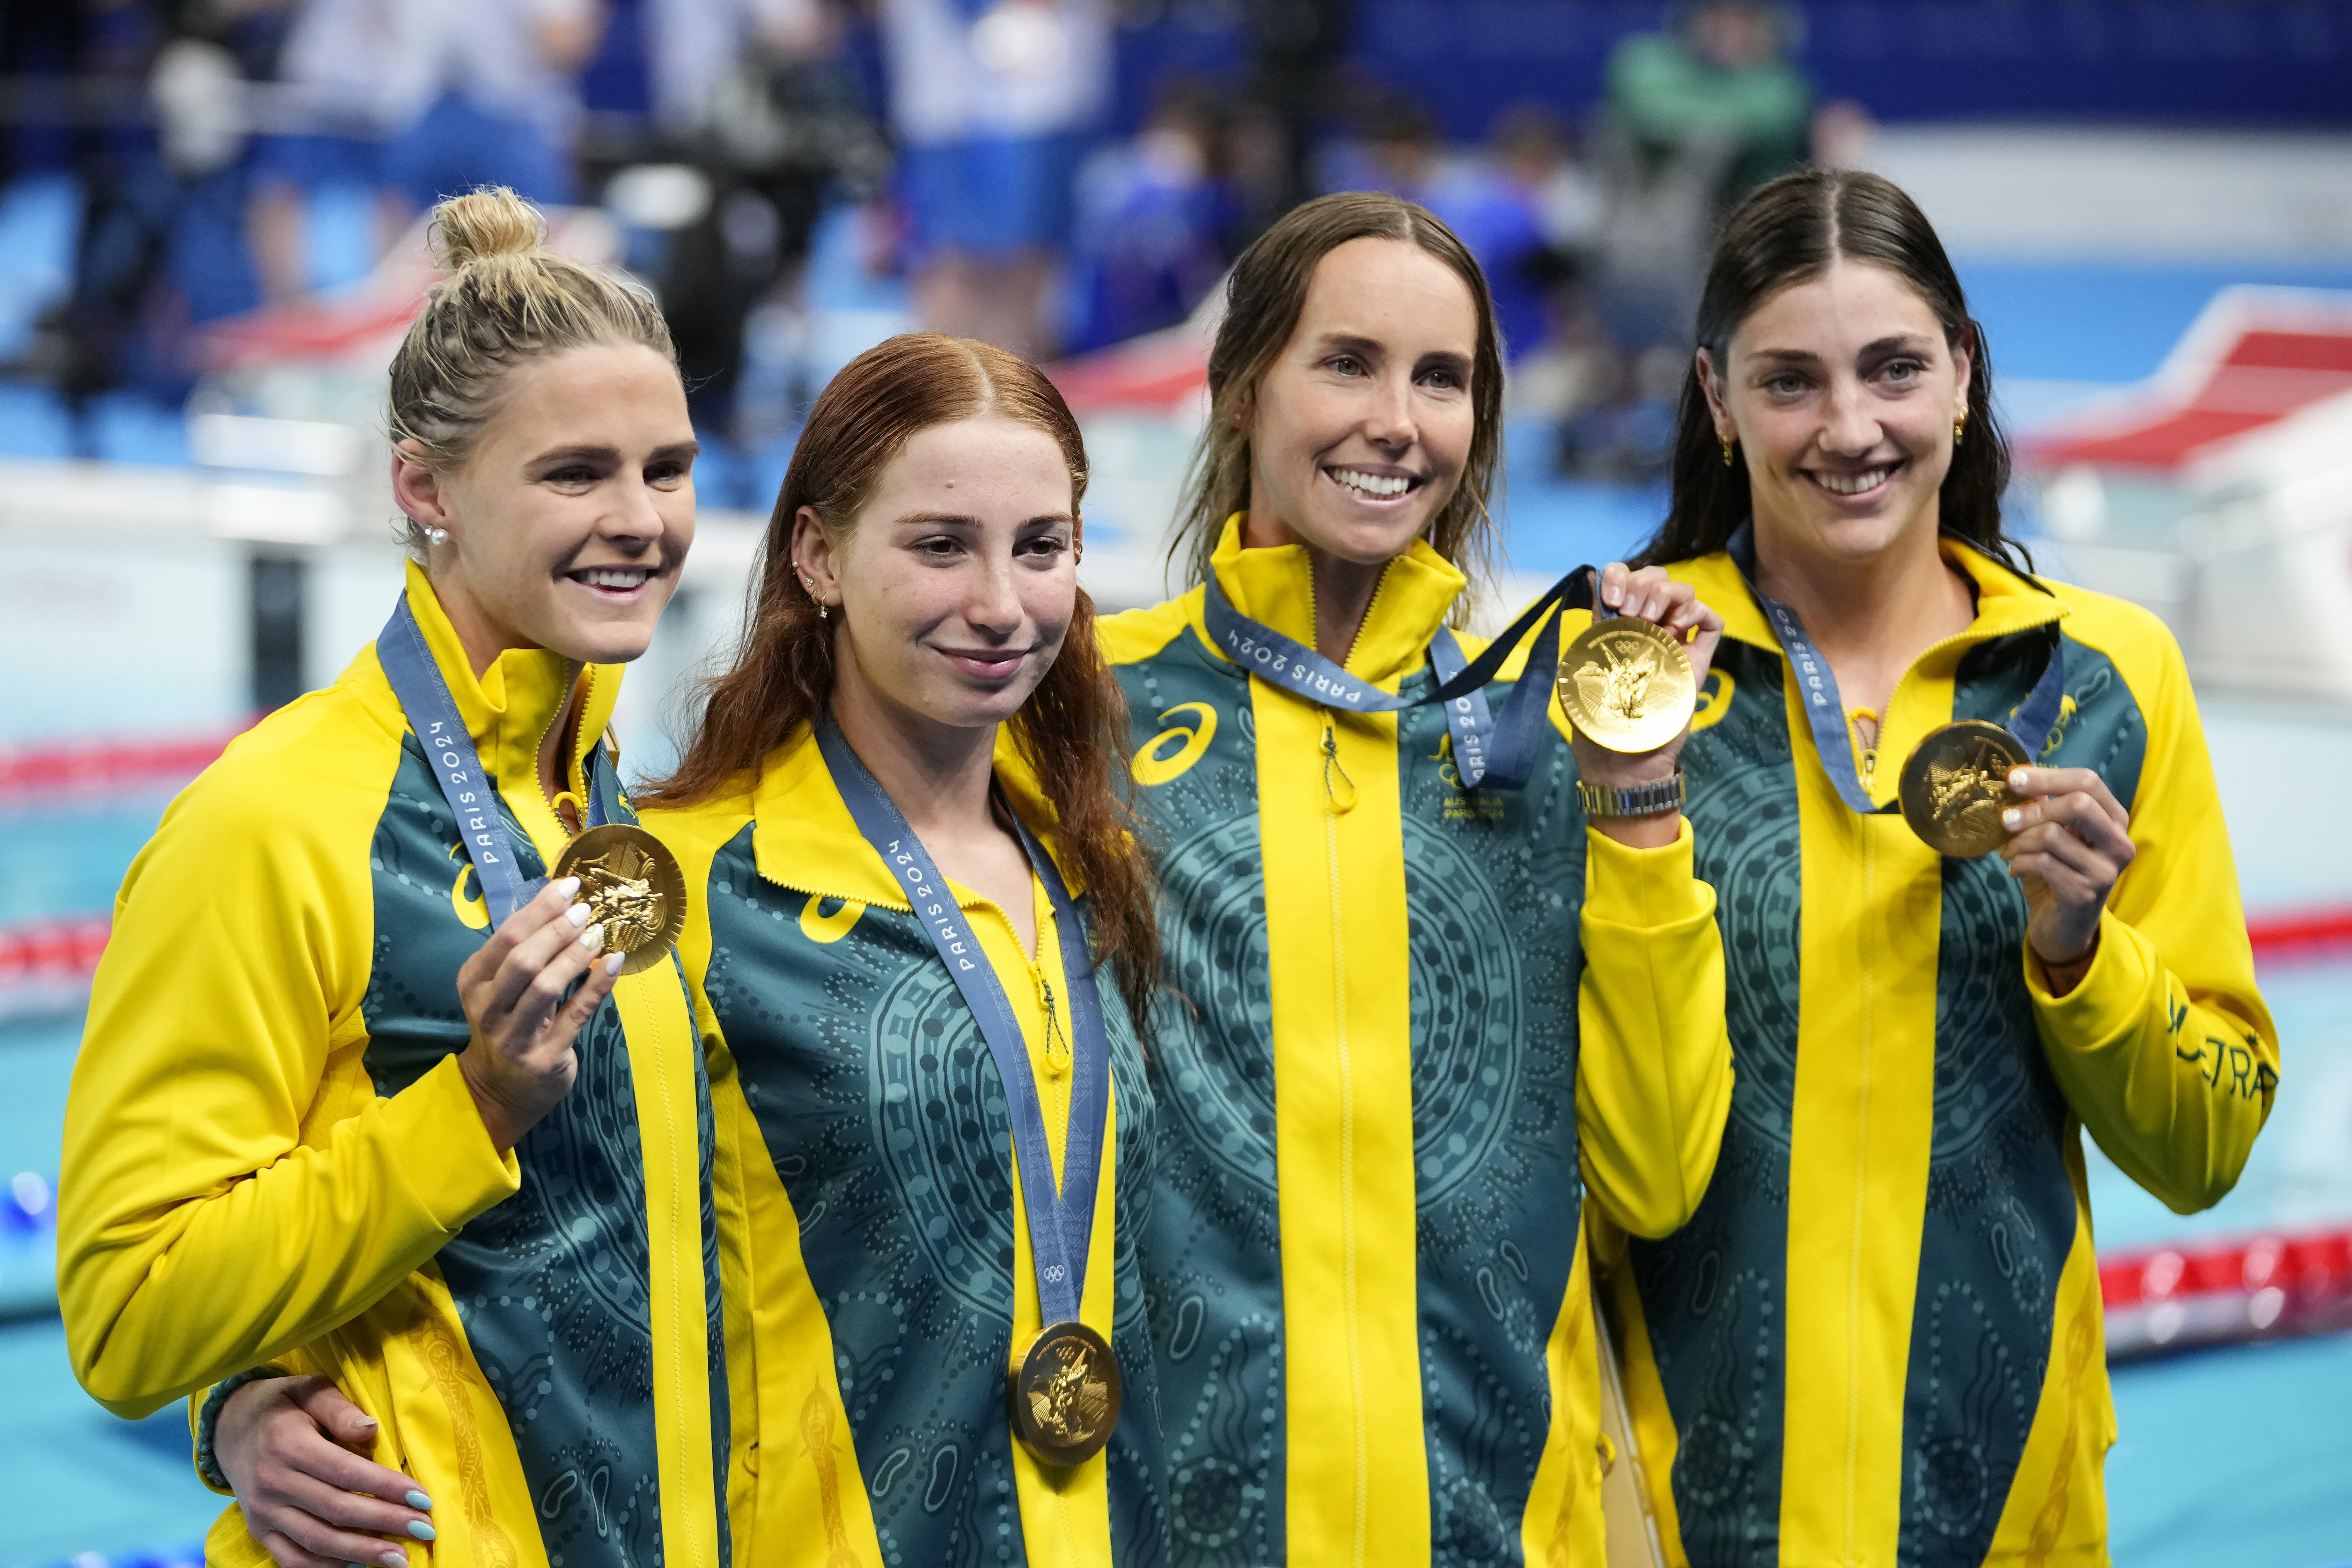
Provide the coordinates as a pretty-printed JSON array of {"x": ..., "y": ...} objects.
[
  {"x": 890, "y": 1270},
  {"x": 271, "y": 1159},
  {"x": 1422, "y": 1020},
  {"x": 1880, "y": 1340}
]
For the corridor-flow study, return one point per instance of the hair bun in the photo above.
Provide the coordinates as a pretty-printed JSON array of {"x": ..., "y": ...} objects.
[{"x": 492, "y": 221}]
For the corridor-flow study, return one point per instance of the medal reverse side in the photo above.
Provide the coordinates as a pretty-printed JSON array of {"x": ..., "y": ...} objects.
[
  {"x": 1066, "y": 1394},
  {"x": 1955, "y": 786},
  {"x": 631, "y": 885}
]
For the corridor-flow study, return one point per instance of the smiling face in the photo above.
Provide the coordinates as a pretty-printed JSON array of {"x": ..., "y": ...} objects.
[
  {"x": 1360, "y": 427},
  {"x": 957, "y": 578},
  {"x": 1841, "y": 393},
  {"x": 569, "y": 522}
]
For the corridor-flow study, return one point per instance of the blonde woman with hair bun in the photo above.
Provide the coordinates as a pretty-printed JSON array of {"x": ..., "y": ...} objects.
[{"x": 360, "y": 1105}]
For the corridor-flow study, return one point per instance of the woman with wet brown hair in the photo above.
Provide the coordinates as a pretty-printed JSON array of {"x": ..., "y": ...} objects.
[{"x": 1448, "y": 968}]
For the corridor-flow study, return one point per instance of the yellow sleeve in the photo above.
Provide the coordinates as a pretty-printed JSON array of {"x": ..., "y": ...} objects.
[
  {"x": 2165, "y": 1050},
  {"x": 1654, "y": 1071},
  {"x": 232, "y": 1186}
]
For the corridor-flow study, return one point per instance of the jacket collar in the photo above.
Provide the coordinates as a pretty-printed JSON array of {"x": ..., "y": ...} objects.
[
  {"x": 1275, "y": 587},
  {"x": 803, "y": 838},
  {"x": 2006, "y": 602},
  {"x": 509, "y": 708}
]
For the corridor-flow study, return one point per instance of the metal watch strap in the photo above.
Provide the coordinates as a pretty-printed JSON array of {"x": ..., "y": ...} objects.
[{"x": 1631, "y": 800}]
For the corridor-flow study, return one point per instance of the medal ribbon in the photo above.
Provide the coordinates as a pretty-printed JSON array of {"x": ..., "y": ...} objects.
[
  {"x": 433, "y": 715},
  {"x": 2030, "y": 722},
  {"x": 1506, "y": 760},
  {"x": 1061, "y": 1225}
]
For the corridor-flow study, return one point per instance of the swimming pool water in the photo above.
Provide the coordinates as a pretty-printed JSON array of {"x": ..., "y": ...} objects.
[{"x": 2240, "y": 1455}]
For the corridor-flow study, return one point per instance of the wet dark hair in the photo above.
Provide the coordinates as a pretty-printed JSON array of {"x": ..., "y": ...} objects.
[{"x": 1790, "y": 231}]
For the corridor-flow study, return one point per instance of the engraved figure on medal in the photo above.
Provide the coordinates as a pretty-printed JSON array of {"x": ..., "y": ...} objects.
[
  {"x": 1955, "y": 786},
  {"x": 1066, "y": 1394},
  {"x": 633, "y": 886},
  {"x": 1072, "y": 1401},
  {"x": 619, "y": 891}
]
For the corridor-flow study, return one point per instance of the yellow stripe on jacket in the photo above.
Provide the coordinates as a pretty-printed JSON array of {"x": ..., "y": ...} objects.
[
  {"x": 811, "y": 1481},
  {"x": 1931, "y": 1090},
  {"x": 236, "y": 1192},
  {"x": 1342, "y": 961}
]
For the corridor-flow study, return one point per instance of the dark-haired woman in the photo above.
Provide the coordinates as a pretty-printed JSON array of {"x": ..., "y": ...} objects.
[
  {"x": 1879, "y": 1341},
  {"x": 929, "y": 1072},
  {"x": 1424, "y": 1009}
]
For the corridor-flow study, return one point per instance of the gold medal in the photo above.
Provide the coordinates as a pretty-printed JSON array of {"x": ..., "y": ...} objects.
[
  {"x": 1626, "y": 683},
  {"x": 1066, "y": 1394},
  {"x": 633, "y": 886},
  {"x": 1955, "y": 786}
]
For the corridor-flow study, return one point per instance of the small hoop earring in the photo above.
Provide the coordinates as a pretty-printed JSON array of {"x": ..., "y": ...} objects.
[
  {"x": 1959, "y": 429},
  {"x": 1728, "y": 444}
]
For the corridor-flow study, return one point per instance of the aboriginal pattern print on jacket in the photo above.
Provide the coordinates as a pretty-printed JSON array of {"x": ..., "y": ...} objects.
[
  {"x": 1494, "y": 886},
  {"x": 2001, "y": 1206},
  {"x": 552, "y": 1284},
  {"x": 885, "y": 1115}
]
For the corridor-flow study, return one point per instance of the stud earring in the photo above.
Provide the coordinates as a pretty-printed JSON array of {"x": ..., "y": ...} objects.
[
  {"x": 437, "y": 535},
  {"x": 1727, "y": 445}
]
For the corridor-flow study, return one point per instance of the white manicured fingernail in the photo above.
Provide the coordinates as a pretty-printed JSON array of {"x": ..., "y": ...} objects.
[
  {"x": 613, "y": 965},
  {"x": 2011, "y": 817},
  {"x": 594, "y": 937},
  {"x": 566, "y": 888},
  {"x": 2017, "y": 780},
  {"x": 578, "y": 914}
]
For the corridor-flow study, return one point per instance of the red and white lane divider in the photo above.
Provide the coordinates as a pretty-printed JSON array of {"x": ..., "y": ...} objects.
[
  {"x": 2165, "y": 1298},
  {"x": 31, "y": 774},
  {"x": 45, "y": 967}
]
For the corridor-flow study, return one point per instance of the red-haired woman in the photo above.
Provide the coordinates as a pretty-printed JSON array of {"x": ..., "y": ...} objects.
[{"x": 918, "y": 932}]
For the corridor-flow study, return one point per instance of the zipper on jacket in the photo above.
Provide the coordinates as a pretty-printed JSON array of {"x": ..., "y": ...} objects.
[
  {"x": 1057, "y": 1044},
  {"x": 577, "y": 773},
  {"x": 1335, "y": 776}
]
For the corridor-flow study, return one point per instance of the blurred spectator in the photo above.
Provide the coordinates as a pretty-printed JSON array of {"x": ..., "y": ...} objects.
[
  {"x": 989, "y": 101},
  {"x": 487, "y": 93},
  {"x": 352, "y": 72},
  {"x": 1292, "y": 89},
  {"x": 1717, "y": 82},
  {"x": 1694, "y": 119},
  {"x": 758, "y": 99},
  {"x": 1152, "y": 216},
  {"x": 1523, "y": 206},
  {"x": 161, "y": 244}
]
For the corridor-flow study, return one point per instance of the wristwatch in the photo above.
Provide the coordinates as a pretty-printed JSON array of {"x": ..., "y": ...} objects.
[{"x": 1631, "y": 800}]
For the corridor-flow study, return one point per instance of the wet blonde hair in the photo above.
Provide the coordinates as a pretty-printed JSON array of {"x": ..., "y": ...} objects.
[{"x": 508, "y": 300}]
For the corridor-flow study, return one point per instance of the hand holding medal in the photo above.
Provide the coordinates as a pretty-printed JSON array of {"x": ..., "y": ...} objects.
[
  {"x": 2069, "y": 840},
  {"x": 1629, "y": 683},
  {"x": 520, "y": 1061}
]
